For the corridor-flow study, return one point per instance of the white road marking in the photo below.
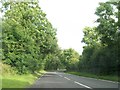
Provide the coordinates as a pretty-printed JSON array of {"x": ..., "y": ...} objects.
[
  {"x": 55, "y": 72},
  {"x": 82, "y": 85},
  {"x": 41, "y": 76},
  {"x": 96, "y": 79},
  {"x": 99, "y": 79},
  {"x": 108, "y": 81},
  {"x": 60, "y": 75},
  {"x": 66, "y": 78}
]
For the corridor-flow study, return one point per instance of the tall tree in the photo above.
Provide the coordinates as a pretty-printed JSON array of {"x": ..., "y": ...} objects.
[
  {"x": 107, "y": 19},
  {"x": 28, "y": 36},
  {"x": 102, "y": 41}
]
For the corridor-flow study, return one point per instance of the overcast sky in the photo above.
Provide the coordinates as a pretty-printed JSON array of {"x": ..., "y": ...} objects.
[{"x": 70, "y": 17}]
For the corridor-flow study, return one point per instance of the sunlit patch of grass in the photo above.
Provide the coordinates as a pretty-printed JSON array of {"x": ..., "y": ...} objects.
[
  {"x": 11, "y": 83},
  {"x": 10, "y": 79},
  {"x": 20, "y": 81}
]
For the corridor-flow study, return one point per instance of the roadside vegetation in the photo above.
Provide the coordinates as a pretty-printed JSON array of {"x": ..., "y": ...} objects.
[
  {"x": 101, "y": 53},
  {"x": 104, "y": 77},
  {"x": 100, "y": 57},
  {"x": 10, "y": 78},
  {"x": 18, "y": 81},
  {"x": 29, "y": 44}
]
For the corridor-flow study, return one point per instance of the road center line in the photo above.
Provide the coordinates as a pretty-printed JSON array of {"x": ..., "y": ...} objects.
[
  {"x": 82, "y": 85},
  {"x": 66, "y": 78}
]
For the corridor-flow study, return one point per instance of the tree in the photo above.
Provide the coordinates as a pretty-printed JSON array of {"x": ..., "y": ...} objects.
[
  {"x": 101, "y": 53},
  {"x": 91, "y": 37},
  {"x": 28, "y": 36},
  {"x": 108, "y": 26},
  {"x": 70, "y": 59}
]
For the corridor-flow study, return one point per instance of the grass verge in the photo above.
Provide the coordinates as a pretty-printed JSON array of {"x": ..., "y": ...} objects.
[
  {"x": 107, "y": 77},
  {"x": 20, "y": 81}
]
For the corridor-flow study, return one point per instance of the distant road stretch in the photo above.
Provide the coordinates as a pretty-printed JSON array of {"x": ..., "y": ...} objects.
[{"x": 63, "y": 80}]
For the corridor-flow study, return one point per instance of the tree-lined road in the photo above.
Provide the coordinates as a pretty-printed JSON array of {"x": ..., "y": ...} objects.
[{"x": 63, "y": 80}]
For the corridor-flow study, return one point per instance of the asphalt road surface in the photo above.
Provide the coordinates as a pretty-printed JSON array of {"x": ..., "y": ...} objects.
[{"x": 63, "y": 80}]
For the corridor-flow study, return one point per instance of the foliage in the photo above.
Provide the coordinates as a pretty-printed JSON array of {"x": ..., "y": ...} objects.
[
  {"x": 91, "y": 36},
  {"x": 70, "y": 58},
  {"x": 101, "y": 53},
  {"x": 108, "y": 26},
  {"x": 30, "y": 43},
  {"x": 52, "y": 62},
  {"x": 28, "y": 36},
  {"x": 10, "y": 79}
]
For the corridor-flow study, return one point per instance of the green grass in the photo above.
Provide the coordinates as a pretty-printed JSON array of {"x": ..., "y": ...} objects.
[
  {"x": 19, "y": 81},
  {"x": 104, "y": 77},
  {"x": 12, "y": 80}
]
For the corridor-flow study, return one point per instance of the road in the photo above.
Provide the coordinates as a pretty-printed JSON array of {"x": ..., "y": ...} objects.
[{"x": 63, "y": 80}]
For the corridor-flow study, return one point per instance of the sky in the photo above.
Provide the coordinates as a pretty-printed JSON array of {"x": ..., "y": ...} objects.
[{"x": 70, "y": 17}]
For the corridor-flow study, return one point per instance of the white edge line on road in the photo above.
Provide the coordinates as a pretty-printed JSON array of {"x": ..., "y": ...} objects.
[
  {"x": 108, "y": 81},
  {"x": 66, "y": 78},
  {"x": 101, "y": 79},
  {"x": 60, "y": 75},
  {"x": 98, "y": 79},
  {"x": 82, "y": 85},
  {"x": 41, "y": 76}
]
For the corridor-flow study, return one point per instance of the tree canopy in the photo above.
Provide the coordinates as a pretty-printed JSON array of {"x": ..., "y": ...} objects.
[
  {"x": 29, "y": 41},
  {"x": 28, "y": 36},
  {"x": 101, "y": 53}
]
